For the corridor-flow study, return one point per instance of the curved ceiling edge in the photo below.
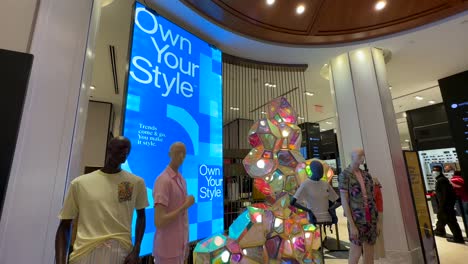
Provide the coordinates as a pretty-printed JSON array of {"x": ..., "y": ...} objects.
[{"x": 319, "y": 30}]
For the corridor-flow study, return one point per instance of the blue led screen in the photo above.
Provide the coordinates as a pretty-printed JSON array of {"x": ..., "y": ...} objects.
[{"x": 174, "y": 93}]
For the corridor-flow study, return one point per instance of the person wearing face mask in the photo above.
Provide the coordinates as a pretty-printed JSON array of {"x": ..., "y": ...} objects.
[
  {"x": 446, "y": 199},
  {"x": 357, "y": 197}
]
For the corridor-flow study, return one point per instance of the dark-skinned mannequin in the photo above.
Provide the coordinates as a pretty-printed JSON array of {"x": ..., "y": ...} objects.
[
  {"x": 327, "y": 192},
  {"x": 118, "y": 150}
]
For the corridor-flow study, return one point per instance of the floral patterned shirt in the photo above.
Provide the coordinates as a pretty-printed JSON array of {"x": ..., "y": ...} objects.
[{"x": 348, "y": 182}]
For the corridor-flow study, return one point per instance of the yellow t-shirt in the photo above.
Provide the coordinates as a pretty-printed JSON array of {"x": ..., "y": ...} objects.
[{"x": 105, "y": 204}]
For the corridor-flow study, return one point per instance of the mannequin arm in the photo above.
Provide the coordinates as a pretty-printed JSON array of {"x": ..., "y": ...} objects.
[
  {"x": 346, "y": 209},
  {"x": 332, "y": 210},
  {"x": 62, "y": 239},
  {"x": 298, "y": 205}
]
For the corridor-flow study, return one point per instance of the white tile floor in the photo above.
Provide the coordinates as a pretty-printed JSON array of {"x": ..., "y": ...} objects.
[{"x": 449, "y": 253}]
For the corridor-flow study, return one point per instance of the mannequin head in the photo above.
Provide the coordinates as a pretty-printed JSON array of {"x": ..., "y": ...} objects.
[
  {"x": 317, "y": 170},
  {"x": 117, "y": 153},
  {"x": 177, "y": 154},
  {"x": 357, "y": 158}
]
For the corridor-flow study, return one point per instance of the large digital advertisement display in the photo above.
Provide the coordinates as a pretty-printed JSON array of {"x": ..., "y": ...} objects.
[{"x": 174, "y": 93}]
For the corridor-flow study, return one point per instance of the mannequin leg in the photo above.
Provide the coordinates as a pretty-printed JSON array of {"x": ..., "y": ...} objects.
[
  {"x": 368, "y": 253},
  {"x": 354, "y": 254}
]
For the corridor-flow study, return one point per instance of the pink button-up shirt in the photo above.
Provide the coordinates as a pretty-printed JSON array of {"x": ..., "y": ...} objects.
[{"x": 170, "y": 191}]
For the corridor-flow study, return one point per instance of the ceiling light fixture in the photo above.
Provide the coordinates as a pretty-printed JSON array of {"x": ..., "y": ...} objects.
[
  {"x": 431, "y": 102},
  {"x": 309, "y": 93},
  {"x": 300, "y": 117},
  {"x": 329, "y": 123},
  {"x": 270, "y": 2},
  {"x": 419, "y": 98},
  {"x": 300, "y": 9},
  {"x": 405, "y": 115},
  {"x": 92, "y": 87},
  {"x": 380, "y": 5},
  {"x": 270, "y": 85},
  {"x": 263, "y": 113},
  {"x": 323, "y": 129},
  {"x": 406, "y": 140},
  {"x": 234, "y": 108},
  {"x": 390, "y": 87}
]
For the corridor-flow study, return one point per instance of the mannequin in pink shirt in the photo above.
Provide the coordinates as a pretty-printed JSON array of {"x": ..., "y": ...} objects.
[{"x": 170, "y": 215}]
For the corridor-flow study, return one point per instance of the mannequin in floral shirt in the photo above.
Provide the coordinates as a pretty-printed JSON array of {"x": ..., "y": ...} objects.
[{"x": 357, "y": 196}]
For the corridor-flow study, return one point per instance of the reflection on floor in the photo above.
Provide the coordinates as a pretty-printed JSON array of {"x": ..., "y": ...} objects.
[{"x": 448, "y": 252}]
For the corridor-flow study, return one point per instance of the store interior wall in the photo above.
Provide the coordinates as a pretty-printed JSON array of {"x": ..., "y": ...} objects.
[
  {"x": 16, "y": 24},
  {"x": 114, "y": 29},
  {"x": 429, "y": 128},
  {"x": 63, "y": 31},
  {"x": 97, "y": 133}
]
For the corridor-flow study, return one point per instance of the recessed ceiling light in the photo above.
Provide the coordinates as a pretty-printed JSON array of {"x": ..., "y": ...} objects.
[
  {"x": 309, "y": 93},
  {"x": 419, "y": 98},
  {"x": 300, "y": 9},
  {"x": 431, "y": 102},
  {"x": 329, "y": 123},
  {"x": 406, "y": 140},
  {"x": 92, "y": 87},
  {"x": 300, "y": 117},
  {"x": 270, "y": 85},
  {"x": 234, "y": 108},
  {"x": 380, "y": 5},
  {"x": 270, "y": 2},
  {"x": 390, "y": 87}
]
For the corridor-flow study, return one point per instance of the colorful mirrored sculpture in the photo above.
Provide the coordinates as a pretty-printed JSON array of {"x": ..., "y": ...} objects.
[{"x": 270, "y": 232}]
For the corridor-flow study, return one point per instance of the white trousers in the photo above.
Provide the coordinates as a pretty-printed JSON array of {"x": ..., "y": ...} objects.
[{"x": 109, "y": 252}]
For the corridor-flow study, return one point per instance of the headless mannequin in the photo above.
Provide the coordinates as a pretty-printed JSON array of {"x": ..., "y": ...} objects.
[{"x": 318, "y": 214}]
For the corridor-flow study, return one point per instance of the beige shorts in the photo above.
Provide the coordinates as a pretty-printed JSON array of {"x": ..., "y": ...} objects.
[{"x": 109, "y": 252}]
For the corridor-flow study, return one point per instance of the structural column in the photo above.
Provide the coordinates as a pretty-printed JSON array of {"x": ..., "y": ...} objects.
[
  {"x": 366, "y": 119},
  {"x": 52, "y": 126}
]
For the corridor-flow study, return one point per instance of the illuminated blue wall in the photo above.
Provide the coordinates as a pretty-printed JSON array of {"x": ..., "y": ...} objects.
[{"x": 175, "y": 94}]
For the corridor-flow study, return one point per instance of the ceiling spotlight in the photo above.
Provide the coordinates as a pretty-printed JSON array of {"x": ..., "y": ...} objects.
[
  {"x": 406, "y": 140},
  {"x": 270, "y": 85},
  {"x": 300, "y": 9},
  {"x": 329, "y": 123},
  {"x": 390, "y": 87},
  {"x": 380, "y": 5},
  {"x": 270, "y": 2},
  {"x": 431, "y": 102},
  {"x": 300, "y": 117},
  {"x": 234, "y": 108},
  {"x": 92, "y": 87},
  {"x": 419, "y": 98},
  {"x": 309, "y": 93}
]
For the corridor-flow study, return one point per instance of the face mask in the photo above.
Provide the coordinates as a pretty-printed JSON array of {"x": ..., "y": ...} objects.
[{"x": 435, "y": 173}]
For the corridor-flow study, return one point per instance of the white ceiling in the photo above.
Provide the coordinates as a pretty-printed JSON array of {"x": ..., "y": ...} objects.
[{"x": 419, "y": 57}]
